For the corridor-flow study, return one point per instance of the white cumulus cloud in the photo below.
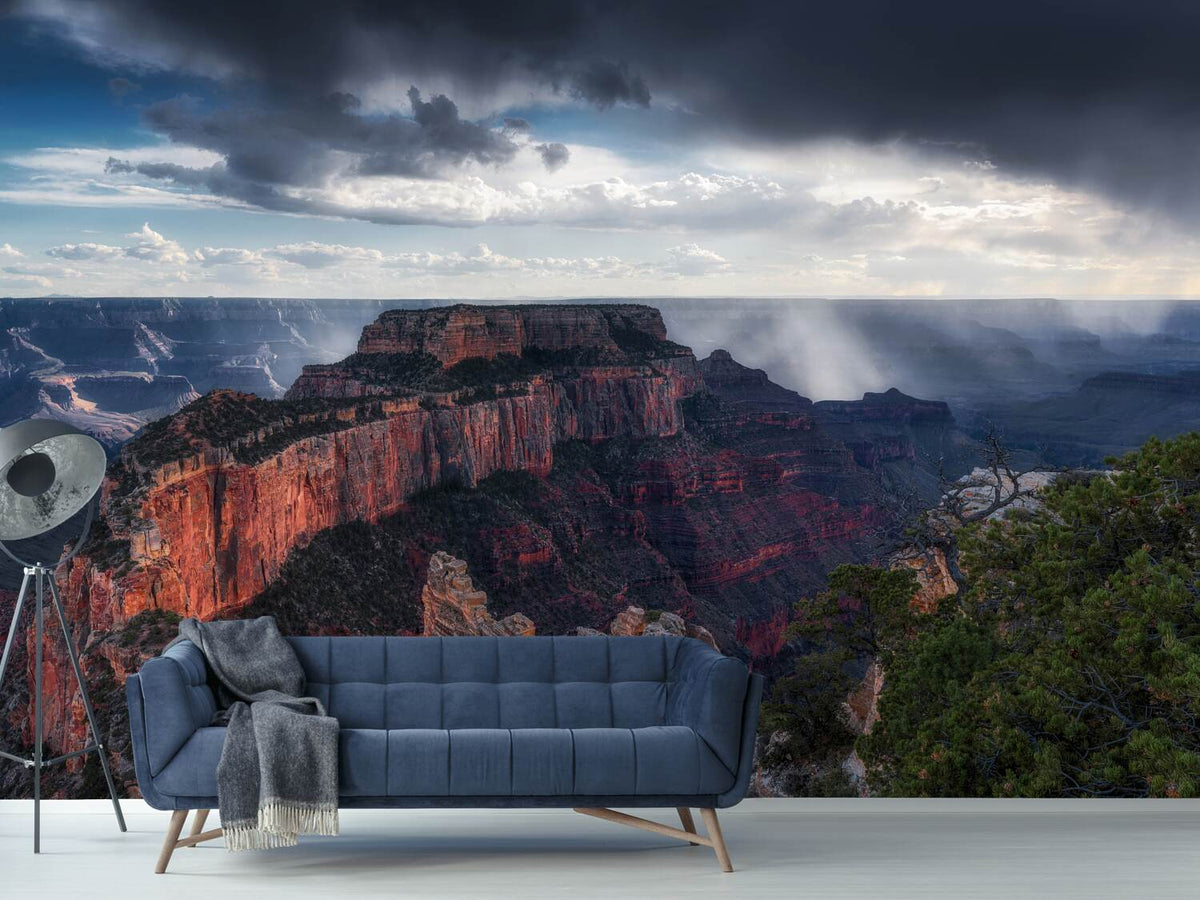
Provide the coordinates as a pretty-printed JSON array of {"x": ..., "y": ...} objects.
[
  {"x": 692, "y": 259},
  {"x": 227, "y": 256},
  {"x": 151, "y": 246},
  {"x": 86, "y": 251},
  {"x": 315, "y": 255},
  {"x": 146, "y": 245}
]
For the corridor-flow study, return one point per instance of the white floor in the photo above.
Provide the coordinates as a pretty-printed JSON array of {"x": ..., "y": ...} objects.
[{"x": 819, "y": 849}]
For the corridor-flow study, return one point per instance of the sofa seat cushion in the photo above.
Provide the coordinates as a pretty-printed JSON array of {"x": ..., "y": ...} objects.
[{"x": 477, "y": 762}]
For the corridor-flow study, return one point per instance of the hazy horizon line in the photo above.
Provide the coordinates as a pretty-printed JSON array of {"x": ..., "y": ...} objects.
[{"x": 564, "y": 298}]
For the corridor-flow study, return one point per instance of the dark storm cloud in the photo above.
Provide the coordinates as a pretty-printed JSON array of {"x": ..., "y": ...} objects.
[
  {"x": 162, "y": 171},
  {"x": 301, "y": 143},
  {"x": 217, "y": 179},
  {"x": 298, "y": 142},
  {"x": 1099, "y": 93},
  {"x": 116, "y": 166},
  {"x": 443, "y": 133},
  {"x": 606, "y": 84},
  {"x": 554, "y": 156}
]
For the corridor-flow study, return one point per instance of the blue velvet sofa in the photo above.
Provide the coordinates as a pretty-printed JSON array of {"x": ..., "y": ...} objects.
[{"x": 583, "y": 722}]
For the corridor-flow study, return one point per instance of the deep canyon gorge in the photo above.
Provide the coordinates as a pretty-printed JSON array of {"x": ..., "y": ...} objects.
[
  {"x": 580, "y": 462},
  {"x": 309, "y": 460}
]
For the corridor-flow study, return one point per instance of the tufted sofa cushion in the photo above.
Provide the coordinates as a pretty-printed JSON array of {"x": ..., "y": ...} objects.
[{"x": 390, "y": 683}]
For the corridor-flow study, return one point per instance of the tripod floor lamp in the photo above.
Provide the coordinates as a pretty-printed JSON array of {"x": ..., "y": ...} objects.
[{"x": 49, "y": 471}]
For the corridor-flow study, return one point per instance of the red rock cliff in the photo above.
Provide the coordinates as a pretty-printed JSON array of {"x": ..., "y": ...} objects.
[{"x": 203, "y": 510}]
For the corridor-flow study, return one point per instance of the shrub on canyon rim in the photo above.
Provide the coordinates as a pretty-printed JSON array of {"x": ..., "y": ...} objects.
[{"x": 1069, "y": 664}]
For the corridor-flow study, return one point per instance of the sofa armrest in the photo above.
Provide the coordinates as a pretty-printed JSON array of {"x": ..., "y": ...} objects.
[
  {"x": 741, "y": 782},
  {"x": 176, "y": 700},
  {"x": 707, "y": 693}
]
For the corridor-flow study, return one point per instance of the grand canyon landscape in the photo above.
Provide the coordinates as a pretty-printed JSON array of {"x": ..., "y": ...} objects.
[
  {"x": 850, "y": 349},
  {"x": 548, "y": 468}
]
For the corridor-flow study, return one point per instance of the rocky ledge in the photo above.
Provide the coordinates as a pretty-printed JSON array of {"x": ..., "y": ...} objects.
[{"x": 454, "y": 606}]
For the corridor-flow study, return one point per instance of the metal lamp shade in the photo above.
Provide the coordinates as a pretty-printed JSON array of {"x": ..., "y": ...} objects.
[{"x": 48, "y": 472}]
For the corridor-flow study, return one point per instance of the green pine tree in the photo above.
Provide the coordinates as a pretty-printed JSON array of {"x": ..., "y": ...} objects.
[{"x": 1069, "y": 664}]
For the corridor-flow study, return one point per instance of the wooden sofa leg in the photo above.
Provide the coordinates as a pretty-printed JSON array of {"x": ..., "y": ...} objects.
[
  {"x": 713, "y": 827},
  {"x": 712, "y": 839},
  {"x": 689, "y": 824},
  {"x": 198, "y": 823},
  {"x": 172, "y": 840}
]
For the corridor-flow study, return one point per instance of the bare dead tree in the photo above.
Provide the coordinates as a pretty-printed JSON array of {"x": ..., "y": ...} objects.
[
  {"x": 994, "y": 485},
  {"x": 903, "y": 510}
]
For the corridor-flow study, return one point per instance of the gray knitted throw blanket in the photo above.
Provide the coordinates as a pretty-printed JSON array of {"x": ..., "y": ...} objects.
[{"x": 278, "y": 774}]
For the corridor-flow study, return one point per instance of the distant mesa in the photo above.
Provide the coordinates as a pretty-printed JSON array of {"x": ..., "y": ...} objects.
[
  {"x": 884, "y": 428},
  {"x": 892, "y": 405},
  {"x": 456, "y": 333},
  {"x": 111, "y": 406},
  {"x": 463, "y": 348},
  {"x": 735, "y": 383},
  {"x": 1104, "y": 417},
  {"x": 247, "y": 377}
]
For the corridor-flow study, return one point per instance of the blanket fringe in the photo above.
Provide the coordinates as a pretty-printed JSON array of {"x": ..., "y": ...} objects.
[
  {"x": 248, "y": 836},
  {"x": 282, "y": 816},
  {"x": 279, "y": 824}
]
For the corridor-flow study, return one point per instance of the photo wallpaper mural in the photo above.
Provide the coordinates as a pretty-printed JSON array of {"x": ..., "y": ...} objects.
[
  {"x": 952, "y": 594},
  {"x": 858, "y": 340}
]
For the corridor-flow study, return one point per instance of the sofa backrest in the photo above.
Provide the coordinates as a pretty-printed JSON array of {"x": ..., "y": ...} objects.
[{"x": 491, "y": 682}]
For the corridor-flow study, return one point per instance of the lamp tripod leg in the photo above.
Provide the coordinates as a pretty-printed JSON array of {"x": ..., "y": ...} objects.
[
  {"x": 12, "y": 628},
  {"x": 8, "y": 645},
  {"x": 101, "y": 751},
  {"x": 39, "y": 625}
]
